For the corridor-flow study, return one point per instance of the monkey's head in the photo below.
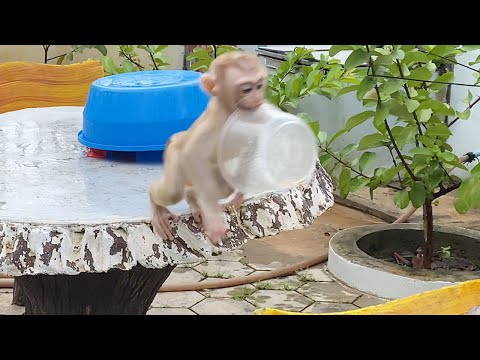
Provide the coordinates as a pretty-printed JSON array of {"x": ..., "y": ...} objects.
[{"x": 237, "y": 79}]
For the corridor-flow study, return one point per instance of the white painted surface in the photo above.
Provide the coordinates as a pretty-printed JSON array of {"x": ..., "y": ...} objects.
[
  {"x": 48, "y": 178},
  {"x": 375, "y": 282}
]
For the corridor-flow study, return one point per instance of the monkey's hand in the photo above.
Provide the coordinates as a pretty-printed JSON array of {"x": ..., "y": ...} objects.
[
  {"x": 160, "y": 221},
  {"x": 215, "y": 229}
]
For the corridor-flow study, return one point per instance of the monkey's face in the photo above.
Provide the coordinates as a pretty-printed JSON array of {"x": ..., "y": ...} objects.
[{"x": 247, "y": 88}]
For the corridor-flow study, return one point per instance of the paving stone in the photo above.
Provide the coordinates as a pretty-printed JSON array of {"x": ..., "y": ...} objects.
[
  {"x": 329, "y": 291},
  {"x": 222, "y": 306},
  {"x": 226, "y": 269},
  {"x": 183, "y": 276},
  {"x": 191, "y": 265},
  {"x": 284, "y": 283},
  {"x": 313, "y": 275},
  {"x": 326, "y": 307},
  {"x": 170, "y": 311},
  {"x": 272, "y": 266},
  {"x": 177, "y": 299},
  {"x": 6, "y": 290},
  {"x": 235, "y": 255},
  {"x": 6, "y": 307},
  {"x": 234, "y": 292},
  {"x": 281, "y": 300},
  {"x": 367, "y": 300}
]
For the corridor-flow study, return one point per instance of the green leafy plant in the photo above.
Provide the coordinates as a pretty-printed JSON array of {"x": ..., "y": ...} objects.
[
  {"x": 201, "y": 58},
  {"x": 445, "y": 251},
  {"x": 400, "y": 95},
  {"x": 70, "y": 54},
  {"x": 132, "y": 62},
  {"x": 301, "y": 75}
]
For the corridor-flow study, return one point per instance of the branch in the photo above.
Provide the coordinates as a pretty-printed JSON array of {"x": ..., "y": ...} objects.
[
  {"x": 405, "y": 86},
  {"x": 58, "y": 56},
  {"x": 400, "y": 155},
  {"x": 352, "y": 169},
  {"x": 450, "y": 60},
  {"x": 469, "y": 106},
  {"x": 129, "y": 58},
  {"x": 444, "y": 191},
  {"x": 152, "y": 57}
]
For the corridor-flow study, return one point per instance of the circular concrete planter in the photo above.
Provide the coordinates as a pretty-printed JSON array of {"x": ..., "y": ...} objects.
[{"x": 348, "y": 258}]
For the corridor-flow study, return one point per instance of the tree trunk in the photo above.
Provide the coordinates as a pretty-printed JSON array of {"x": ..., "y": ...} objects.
[
  {"x": 17, "y": 294},
  {"x": 116, "y": 292},
  {"x": 428, "y": 233}
]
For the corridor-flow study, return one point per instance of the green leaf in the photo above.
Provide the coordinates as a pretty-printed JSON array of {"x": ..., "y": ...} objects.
[
  {"x": 366, "y": 159},
  {"x": 336, "y": 135},
  {"x": 348, "y": 149},
  {"x": 406, "y": 135},
  {"x": 475, "y": 169},
  {"x": 389, "y": 174},
  {"x": 356, "y": 58},
  {"x": 335, "y": 49},
  {"x": 344, "y": 182},
  {"x": 398, "y": 54},
  {"x": 347, "y": 89},
  {"x": 102, "y": 49},
  {"x": 437, "y": 106},
  {"x": 358, "y": 182},
  {"x": 313, "y": 79},
  {"x": 380, "y": 115},
  {"x": 358, "y": 119},
  {"x": 417, "y": 194},
  {"x": 411, "y": 105},
  {"x": 438, "y": 130},
  {"x": 421, "y": 73},
  {"x": 366, "y": 85},
  {"x": 128, "y": 66},
  {"x": 425, "y": 140},
  {"x": 324, "y": 158},
  {"x": 60, "y": 59},
  {"x": 371, "y": 141},
  {"x": 470, "y": 47},
  {"x": 467, "y": 195},
  {"x": 434, "y": 179},
  {"x": 468, "y": 99},
  {"x": 391, "y": 86},
  {"x": 422, "y": 151},
  {"x": 464, "y": 115},
  {"x": 401, "y": 199},
  {"x": 322, "y": 136},
  {"x": 315, "y": 126},
  {"x": 108, "y": 64},
  {"x": 415, "y": 56},
  {"x": 447, "y": 77},
  {"x": 424, "y": 115}
]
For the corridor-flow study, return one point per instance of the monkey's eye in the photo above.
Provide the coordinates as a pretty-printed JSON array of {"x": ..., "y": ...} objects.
[
  {"x": 246, "y": 90},
  {"x": 259, "y": 86}
]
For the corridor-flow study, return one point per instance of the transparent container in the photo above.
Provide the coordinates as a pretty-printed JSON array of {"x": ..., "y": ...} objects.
[{"x": 266, "y": 150}]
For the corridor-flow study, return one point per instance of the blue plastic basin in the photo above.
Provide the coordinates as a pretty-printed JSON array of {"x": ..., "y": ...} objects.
[{"x": 139, "y": 111}]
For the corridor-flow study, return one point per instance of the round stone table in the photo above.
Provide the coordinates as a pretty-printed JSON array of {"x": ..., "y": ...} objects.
[{"x": 75, "y": 231}]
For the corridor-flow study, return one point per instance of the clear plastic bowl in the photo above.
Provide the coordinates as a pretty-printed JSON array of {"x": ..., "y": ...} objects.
[{"x": 265, "y": 150}]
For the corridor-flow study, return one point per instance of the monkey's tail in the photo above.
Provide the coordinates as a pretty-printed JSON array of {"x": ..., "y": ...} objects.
[{"x": 7, "y": 282}]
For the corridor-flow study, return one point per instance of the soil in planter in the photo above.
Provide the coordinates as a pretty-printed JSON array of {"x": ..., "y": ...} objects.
[
  {"x": 460, "y": 253},
  {"x": 454, "y": 259}
]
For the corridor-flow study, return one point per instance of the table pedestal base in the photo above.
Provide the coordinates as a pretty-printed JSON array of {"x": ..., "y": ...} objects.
[{"x": 115, "y": 292}]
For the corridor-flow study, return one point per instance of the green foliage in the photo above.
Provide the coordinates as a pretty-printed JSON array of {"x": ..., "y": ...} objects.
[
  {"x": 131, "y": 61},
  {"x": 202, "y": 58},
  {"x": 400, "y": 86}
]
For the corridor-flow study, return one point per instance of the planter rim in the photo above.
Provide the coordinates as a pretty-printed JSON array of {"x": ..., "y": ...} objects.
[{"x": 344, "y": 244}]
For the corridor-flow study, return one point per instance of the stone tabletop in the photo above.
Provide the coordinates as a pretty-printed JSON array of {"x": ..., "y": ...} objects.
[{"x": 64, "y": 213}]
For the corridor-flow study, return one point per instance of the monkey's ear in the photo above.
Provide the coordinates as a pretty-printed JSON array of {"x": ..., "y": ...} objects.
[{"x": 208, "y": 83}]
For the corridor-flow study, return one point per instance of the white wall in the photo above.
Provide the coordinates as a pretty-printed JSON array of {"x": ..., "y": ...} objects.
[{"x": 466, "y": 134}]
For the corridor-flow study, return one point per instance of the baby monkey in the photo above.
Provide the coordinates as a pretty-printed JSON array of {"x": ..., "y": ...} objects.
[{"x": 235, "y": 80}]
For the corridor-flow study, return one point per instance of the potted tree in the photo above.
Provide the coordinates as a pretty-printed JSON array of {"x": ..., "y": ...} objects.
[{"x": 410, "y": 119}]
